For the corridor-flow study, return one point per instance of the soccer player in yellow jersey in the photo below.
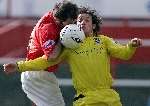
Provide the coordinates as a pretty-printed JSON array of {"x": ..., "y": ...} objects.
[{"x": 90, "y": 63}]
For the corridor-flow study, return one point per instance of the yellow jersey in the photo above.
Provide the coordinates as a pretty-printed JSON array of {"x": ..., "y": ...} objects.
[{"x": 90, "y": 63}]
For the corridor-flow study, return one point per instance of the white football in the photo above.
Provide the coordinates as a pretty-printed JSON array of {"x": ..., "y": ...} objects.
[{"x": 71, "y": 36}]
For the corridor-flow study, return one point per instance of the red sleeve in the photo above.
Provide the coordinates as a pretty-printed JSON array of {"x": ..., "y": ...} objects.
[
  {"x": 49, "y": 36},
  {"x": 44, "y": 38},
  {"x": 34, "y": 48}
]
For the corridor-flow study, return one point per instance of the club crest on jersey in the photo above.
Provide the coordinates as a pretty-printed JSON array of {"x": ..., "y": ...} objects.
[
  {"x": 48, "y": 43},
  {"x": 97, "y": 40}
]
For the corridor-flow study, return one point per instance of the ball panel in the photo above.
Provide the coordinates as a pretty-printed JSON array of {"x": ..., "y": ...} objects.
[{"x": 71, "y": 36}]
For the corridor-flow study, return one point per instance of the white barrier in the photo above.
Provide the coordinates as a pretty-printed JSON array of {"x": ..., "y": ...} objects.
[{"x": 117, "y": 82}]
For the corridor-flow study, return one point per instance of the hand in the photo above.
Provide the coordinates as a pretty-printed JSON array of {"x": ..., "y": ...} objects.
[
  {"x": 136, "y": 42},
  {"x": 10, "y": 68}
]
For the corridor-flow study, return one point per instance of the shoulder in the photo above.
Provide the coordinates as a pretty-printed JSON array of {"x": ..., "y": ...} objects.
[
  {"x": 106, "y": 39},
  {"x": 103, "y": 37},
  {"x": 47, "y": 18}
]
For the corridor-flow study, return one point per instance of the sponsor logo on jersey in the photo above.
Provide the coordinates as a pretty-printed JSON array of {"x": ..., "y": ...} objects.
[{"x": 48, "y": 43}]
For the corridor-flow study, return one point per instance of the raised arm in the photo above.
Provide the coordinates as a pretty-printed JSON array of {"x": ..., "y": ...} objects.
[
  {"x": 37, "y": 64},
  {"x": 122, "y": 51}
]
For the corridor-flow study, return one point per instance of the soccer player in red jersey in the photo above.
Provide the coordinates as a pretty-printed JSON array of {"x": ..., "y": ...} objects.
[{"x": 42, "y": 87}]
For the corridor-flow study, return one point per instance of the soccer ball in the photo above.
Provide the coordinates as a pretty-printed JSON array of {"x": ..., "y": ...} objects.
[{"x": 71, "y": 36}]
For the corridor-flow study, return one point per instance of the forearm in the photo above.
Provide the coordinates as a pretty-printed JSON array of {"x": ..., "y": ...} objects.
[
  {"x": 34, "y": 65},
  {"x": 128, "y": 52},
  {"x": 123, "y": 52},
  {"x": 39, "y": 63}
]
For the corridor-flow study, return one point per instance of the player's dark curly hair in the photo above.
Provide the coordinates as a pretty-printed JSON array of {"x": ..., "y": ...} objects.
[
  {"x": 66, "y": 10},
  {"x": 96, "y": 19}
]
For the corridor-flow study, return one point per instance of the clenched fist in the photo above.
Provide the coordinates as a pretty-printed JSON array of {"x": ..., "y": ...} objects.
[
  {"x": 10, "y": 68},
  {"x": 136, "y": 42}
]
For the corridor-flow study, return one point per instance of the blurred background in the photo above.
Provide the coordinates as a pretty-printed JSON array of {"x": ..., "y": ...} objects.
[{"x": 122, "y": 20}]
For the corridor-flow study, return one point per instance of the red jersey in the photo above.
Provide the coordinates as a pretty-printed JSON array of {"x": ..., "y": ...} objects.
[{"x": 44, "y": 38}]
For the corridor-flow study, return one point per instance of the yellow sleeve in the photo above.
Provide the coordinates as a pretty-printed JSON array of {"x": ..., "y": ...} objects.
[
  {"x": 33, "y": 65},
  {"x": 38, "y": 64},
  {"x": 119, "y": 51}
]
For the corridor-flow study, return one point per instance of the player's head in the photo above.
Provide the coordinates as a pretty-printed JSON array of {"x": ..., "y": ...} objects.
[
  {"x": 66, "y": 12},
  {"x": 89, "y": 20}
]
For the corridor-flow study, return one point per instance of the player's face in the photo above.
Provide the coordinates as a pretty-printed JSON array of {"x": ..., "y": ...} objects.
[{"x": 85, "y": 21}]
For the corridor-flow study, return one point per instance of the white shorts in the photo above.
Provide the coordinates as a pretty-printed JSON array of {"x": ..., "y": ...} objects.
[{"x": 42, "y": 88}]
